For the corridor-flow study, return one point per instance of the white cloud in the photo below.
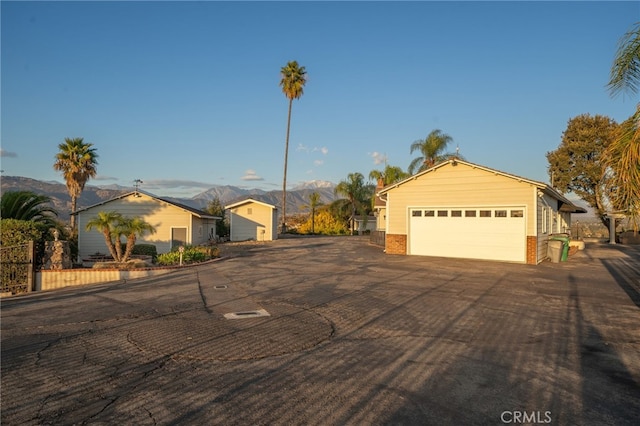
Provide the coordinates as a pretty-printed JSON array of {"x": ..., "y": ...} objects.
[
  {"x": 7, "y": 154},
  {"x": 318, "y": 162},
  {"x": 301, "y": 147},
  {"x": 324, "y": 150},
  {"x": 174, "y": 183},
  {"x": 378, "y": 158},
  {"x": 251, "y": 175},
  {"x": 101, "y": 178}
]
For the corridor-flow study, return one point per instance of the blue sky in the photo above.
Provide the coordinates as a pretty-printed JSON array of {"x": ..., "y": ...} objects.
[{"x": 185, "y": 95}]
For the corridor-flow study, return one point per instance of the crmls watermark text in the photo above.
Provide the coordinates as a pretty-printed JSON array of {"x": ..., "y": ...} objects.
[{"x": 529, "y": 417}]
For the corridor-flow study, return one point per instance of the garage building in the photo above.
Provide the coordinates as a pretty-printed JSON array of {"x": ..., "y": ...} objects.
[{"x": 464, "y": 210}]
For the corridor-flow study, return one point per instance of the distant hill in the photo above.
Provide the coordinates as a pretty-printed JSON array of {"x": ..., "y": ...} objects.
[{"x": 296, "y": 198}]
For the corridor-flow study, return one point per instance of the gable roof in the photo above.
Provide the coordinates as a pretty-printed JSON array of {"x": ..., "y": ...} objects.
[
  {"x": 247, "y": 201},
  {"x": 196, "y": 212},
  {"x": 565, "y": 204}
]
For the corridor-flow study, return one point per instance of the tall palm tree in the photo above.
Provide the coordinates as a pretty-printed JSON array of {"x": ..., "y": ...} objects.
[
  {"x": 292, "y": 82},
  {"x": 433, "y": 150},
  {"x": 622, "y": 156},
  {"x": 356, "y": 193},
  {"x": 106, "y": 222},
  {"x": 314, "y": 202},
  {"x": 29, "y": 206},
  {"x": 625, "y": 71},
  {"x": 77, "y": 161}
]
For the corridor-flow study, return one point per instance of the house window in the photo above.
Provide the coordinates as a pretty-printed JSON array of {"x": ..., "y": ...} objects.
[
  {"x": 517, "y": 213},
  {"x": 456, "y": 213},
  {"x": 500, "y": 213},
  {"x": 249, "y": 210},
  {"x": 443, "y": 213},
  {"x": 429, "y": 213},
  {"x": 545, "y": 220},
  {"x": 416, "y": 213},
  {"x": 485, "y": 213},
  {"x": 470, "y": 213}
]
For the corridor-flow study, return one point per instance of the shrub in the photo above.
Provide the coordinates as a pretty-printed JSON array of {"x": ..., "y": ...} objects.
[
  {"x": 145, "y": 250},
  {"x": 191, "y": 254}
]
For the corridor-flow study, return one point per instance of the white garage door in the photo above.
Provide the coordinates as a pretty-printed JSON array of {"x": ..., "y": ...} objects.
[{"x": 494, "y": 233}]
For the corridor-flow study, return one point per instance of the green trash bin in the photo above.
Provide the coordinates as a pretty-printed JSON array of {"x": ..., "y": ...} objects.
[{"x": 565, "y": 244}]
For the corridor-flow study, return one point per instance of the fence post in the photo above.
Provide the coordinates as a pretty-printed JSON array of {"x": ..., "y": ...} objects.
[{"x": 32, "y": 266}]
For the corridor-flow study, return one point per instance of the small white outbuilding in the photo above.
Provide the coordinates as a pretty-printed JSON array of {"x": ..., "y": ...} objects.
[{"x": 253, "y": 220}]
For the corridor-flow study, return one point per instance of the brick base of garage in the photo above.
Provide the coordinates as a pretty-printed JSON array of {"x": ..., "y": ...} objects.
[
  {"x": 532, "y": 250},
  {"x": 396, "y": 244}
]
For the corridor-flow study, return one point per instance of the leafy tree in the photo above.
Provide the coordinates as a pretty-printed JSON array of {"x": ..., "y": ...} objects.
[
  {"x": 28, "y": 206},
  {"x": 432, "y": 150},
  {"x": 294, "y": 77},
  {"x": 357, "y": 195},
  {"x": 77, "y": 161},
  {"x": 325, "y": 223},
  {"x": 215, "y": 208},
  {"x": 625, "y": 71},
  {"x": 314, "y": 203},
  {"x": 577, "y": 165}
]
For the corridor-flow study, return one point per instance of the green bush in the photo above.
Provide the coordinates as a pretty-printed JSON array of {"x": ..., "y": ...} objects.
[
  {"x": 191, "y": 254},
  {"x": 145, "y": 250}
]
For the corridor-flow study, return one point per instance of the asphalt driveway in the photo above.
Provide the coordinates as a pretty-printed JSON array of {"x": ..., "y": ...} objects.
[{"x": 348, "y": 336}]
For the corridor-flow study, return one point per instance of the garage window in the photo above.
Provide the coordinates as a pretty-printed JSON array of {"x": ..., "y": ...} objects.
[
  {"x": 456, "y": 213},
  {"x": 485, "y": 213},
  {"x": 416, "y": 213},
  {"x": 470, "y": 213},
  {"x": 517, "y": 213},
  {"x": 501, "y": 213},
  {"x": 429, "y": 213},
  {"x": 443, "y": 213}
]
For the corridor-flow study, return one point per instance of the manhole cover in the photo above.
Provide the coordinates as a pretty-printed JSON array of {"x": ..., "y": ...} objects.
[{"x": 247, "y": 314}]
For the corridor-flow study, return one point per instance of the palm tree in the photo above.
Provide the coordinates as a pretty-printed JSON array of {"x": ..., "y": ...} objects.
[
  {"x": 356, "y": 192},
  {"x": 432, "y": 149},
  {"x": 622, "y": 156},
  {"x": 106, "y": 223},
  {"x": 390, "y": 174},
  {"x": 293, "y": 80},
  {"x": 77, "y": 162},
  {"x": 625, "y": 71},
  {"x": 114, "y": 226},
  {"x": 131, "y": 228},
  {"x": 314, "y": 202},
  {"x": 622, "y": 161},
  {"x": 29, "y": 206}
]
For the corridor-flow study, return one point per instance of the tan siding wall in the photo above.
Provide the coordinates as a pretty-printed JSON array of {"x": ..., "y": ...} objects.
[
  {"x": 162, "y": 216},
  {"x": 248, "y": 218},
  {"x": 458, "y": 186}
]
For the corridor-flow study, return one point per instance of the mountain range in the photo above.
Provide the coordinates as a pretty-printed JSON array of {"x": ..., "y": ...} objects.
[{"x": 297, "y": 197}]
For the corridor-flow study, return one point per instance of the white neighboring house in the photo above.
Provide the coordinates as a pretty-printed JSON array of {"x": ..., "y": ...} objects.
[
  {"x": 176, "y": 224},
  {"x": 464, "y": 210},
  {"x": 364, "y": 223},
  {"x": 253, "y": 220}
]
